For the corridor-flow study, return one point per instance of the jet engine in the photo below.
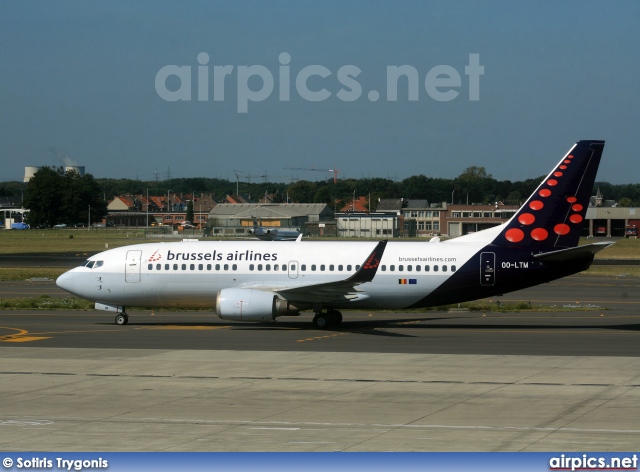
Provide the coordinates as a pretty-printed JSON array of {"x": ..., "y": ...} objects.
[{"x": 240, "y": 304}]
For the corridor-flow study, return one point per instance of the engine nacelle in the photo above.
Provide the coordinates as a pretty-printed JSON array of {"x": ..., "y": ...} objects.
[{"x": 240, "y": 304}]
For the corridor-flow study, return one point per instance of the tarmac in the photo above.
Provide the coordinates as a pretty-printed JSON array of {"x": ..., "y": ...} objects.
[{"x": 60, "y": 399}]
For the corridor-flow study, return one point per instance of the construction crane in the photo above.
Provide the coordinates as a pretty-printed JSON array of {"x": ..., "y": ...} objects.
[{"x": 313, "y": 169}]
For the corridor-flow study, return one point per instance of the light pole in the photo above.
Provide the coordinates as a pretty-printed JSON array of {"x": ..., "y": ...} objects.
[{"x": 168, "y": 210}]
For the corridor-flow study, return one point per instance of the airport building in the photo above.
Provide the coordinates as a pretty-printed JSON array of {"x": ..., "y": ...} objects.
[{"x": 238, "y": 218}]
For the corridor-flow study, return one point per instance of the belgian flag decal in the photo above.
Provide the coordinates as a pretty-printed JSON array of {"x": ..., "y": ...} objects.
[{"x": 407, "y": 281}]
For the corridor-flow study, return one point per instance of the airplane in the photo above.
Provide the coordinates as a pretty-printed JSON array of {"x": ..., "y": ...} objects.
[
  {"x": 266, "y": 233},
  {"x": 260, "y": 281}
]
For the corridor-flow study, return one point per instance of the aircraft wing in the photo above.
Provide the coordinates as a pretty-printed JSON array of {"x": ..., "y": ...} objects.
[{"x": 340, "y": 290}]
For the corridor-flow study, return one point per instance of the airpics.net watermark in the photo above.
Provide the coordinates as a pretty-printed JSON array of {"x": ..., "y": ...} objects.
[{"x": 257, "y": 83}]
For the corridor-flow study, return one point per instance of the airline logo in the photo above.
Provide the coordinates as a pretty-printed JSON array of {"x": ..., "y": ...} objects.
[
  {"x": 155, "y": 256},
  {"x": 372, "y": 263},
  {"x": 407, "y": 281}
]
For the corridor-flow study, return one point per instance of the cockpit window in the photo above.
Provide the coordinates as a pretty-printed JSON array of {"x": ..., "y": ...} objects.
[{"x": 89, "y": 264}]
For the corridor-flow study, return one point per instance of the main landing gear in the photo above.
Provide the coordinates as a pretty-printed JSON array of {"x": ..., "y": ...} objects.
[
  {"x": 330, "y": 319},
  {"x": 122, "y": 318}
]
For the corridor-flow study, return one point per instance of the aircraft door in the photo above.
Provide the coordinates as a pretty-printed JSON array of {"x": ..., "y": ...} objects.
[
  {"x": 293, "y": 269},
  {"x": 487, "y": 268},
  {"x": 133, "y": 267}
]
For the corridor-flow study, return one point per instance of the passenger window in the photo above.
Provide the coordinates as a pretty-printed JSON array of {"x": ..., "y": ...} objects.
[
  {"x": 150, "y": 266},
  {"x": 435, "y": 268},
  {"x": 400, "y": 268},
  {"x": 303, "y": 267},
  {"x": 208, "y": 266},
  {"x": 340, "y": 267},
  {"x": 200, "y": 267},
  {"x": 158, "y": 266},
  {"x": 234, "y": 267},
  {"x": 175, "y": 266},
  {"x": 166, "y": 267},
  {"x": 392, "y": 268},
  {"x": 357, "y": 267},
  {"x": 453, "y": 268},
  {"x": 313, "y": 267},
  {"x": 409, "y": 268},
  {"x": 259, "y": 266},
  {"x": 322, "y": 267},
  {"x": 383, "y": 268},
  {"x": 226, "y": 267},
  {"x": 218, "y": 267},
  {"x": 331, "y": 268},
  {"x": 267, "y": 267},
  {"x": 426, "y": 268},
  {"x": 276, "y": 267},
  {"x": 349, "y": 267},
  {"x": 251, "y": 267},
  {"x": 284, "y": 267},
  {"x": 417, "y": 268},
  {"x": 184, "y": 266},
  {"x": 444, "y": 268},
  {"x": 192, "y": 267}
]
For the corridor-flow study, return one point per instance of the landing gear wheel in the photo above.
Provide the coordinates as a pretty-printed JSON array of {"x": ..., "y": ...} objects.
[
  {"x": 335, "y": 317},
  {"x": 321, "y": 321},
  {"x": 330, "y": 319},
  {"x": 122, "y": 319}
]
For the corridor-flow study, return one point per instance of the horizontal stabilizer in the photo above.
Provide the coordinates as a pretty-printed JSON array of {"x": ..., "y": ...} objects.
[{"x": 574, "y": 253}]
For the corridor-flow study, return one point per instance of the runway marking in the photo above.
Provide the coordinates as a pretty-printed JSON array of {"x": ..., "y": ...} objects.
[
  {"x": 22, "y": 339},
  {"x": 19, "y": 337},
  {"x": 187, "y": 328},
  {"x": 319, "y": 338},
  {"x": 25, "y": 422},
  {"x": 299, "y": 425}
]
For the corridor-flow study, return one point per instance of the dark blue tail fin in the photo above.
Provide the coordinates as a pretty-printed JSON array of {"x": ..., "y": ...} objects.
[{"x": 553, "y": 216}]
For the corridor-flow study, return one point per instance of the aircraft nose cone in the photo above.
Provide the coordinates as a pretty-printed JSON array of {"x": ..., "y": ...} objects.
[{"x": 65, "y": 282}]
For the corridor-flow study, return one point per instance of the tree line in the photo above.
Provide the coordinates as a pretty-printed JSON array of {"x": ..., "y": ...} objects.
[
  {"x": 473, "y": 185},
  {"x": 54, "y": 196}
]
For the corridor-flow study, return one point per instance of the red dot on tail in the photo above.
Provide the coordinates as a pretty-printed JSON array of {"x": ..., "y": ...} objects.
[
  {"x": 552, "y": 182},
  {"x": 536, "y": 205},
  {"x": 567, "y": 161},
  {"x": 514, "y": 235},
  {"x": 570, "y": 156},
  {"x": 539, "y": 234},
  {"x": 526, "y": 219},
  {"x": 563, "y": 167},
  {"x": 545, "y": 192},
  {"x": 558, "y": 174},
  {"x": 577, "y": 207},
  {"x": 572, "y": 199},
  {"x": 561, "y": 229},
  {"x": 575, "y": 219}
]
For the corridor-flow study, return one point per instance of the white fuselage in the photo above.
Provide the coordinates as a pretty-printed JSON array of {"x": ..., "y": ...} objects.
[{"x": 190, "y": 274}]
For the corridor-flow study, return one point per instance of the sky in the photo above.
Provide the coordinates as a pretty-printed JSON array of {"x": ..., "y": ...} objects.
[{"x": 251, "y": 89}]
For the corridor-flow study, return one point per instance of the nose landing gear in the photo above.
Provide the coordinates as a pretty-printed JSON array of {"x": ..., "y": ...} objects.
[{"x": 122, "y": 318}]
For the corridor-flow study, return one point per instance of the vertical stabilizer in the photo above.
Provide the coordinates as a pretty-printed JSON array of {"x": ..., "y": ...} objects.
[{"x": 553, "y": 216}]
